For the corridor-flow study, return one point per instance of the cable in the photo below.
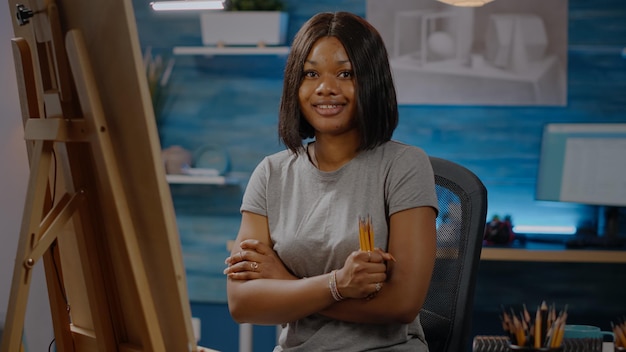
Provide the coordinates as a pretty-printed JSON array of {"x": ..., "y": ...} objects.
[{"x": 54, "y": 175}]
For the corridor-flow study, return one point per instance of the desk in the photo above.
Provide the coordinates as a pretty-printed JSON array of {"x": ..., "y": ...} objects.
[
  {"x": 553, "y": 255},
  {"x": 530, "y": 250},
  {"x": 589, "y": 281}
]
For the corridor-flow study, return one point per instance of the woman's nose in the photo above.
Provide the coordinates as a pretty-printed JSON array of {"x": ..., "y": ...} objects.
[{"x": 327, "y": 85}]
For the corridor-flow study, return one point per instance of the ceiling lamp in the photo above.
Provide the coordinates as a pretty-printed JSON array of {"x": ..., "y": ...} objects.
[
  {"x": 466, "y": 3},
  {"x": 187, "y": 5}
]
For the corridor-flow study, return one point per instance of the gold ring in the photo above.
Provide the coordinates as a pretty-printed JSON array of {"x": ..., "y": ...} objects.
[{"x": 254, "y": 266}]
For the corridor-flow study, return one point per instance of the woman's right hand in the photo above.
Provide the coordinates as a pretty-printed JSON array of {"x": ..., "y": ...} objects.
[
  {"x": 363, "y": 273},
  {"x": 256, "y": 260}
]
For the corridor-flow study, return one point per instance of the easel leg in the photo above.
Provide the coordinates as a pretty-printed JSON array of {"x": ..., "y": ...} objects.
[
  {"x": 57, "y": 298},
  {"x": 38, "y": 202},
  {"x": 22, "y": 272}
]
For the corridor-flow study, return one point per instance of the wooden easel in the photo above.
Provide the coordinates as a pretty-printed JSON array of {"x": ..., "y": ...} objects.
[{"x": 97, "y": 211}]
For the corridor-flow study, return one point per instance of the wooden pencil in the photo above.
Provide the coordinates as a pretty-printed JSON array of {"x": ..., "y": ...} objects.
[
  {"x": 537, "y": 329},
  {"x": 544, "y": 320},
  {"x": 620, "y": 335},
  {"x": 365, "y": 234}
]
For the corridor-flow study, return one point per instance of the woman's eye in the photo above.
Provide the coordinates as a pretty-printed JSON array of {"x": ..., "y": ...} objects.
[
  {"x": 310, "y": 74},
  {"x": 345, "y": 74}
]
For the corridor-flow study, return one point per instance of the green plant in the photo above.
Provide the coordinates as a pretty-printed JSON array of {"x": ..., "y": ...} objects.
[
  {"x": 158, "y": 72},
  {"x": 254, "y": 5}
]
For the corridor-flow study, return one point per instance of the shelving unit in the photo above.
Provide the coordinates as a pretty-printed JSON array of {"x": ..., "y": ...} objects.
[
  {"x": 198, "y": 180},
  {"x": 231, "y": 178},
  {"x": 231, "y": 50}
]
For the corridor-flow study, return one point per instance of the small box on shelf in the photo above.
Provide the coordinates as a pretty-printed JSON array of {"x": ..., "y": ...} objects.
[{"x": 244, "y": 27}]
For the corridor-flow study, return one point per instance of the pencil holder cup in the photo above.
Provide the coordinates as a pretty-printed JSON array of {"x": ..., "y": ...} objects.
[
  {"x": 514, "y": 348},
  {"x": 488, "y": 343},
  {"x": 585, "y": 338}
]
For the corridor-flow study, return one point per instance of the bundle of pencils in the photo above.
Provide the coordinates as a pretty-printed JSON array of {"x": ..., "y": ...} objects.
[
  {"x": 366, "y": 233},
  {"x": 619, "y": 330},
  {"x": 545, "y": 330}
]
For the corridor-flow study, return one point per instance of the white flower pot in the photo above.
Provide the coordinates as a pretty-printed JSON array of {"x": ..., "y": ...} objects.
[{"x": 244, "y": 28}]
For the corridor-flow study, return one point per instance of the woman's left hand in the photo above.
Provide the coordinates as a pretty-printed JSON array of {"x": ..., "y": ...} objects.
[{"x": 256, "y": 260}]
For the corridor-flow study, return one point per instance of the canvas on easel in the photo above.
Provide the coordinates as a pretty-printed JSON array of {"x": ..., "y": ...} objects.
[{"x": 98, "y": 209}]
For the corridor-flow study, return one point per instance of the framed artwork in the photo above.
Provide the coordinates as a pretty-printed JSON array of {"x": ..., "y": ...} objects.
[{"x": 506, "y": 52}]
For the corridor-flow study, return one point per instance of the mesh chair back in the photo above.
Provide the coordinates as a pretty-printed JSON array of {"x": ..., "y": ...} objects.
[{"x": 447, "y": 312}]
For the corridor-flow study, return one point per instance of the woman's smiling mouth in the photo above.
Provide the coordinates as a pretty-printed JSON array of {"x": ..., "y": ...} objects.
[{"x": 328, "y": 109}]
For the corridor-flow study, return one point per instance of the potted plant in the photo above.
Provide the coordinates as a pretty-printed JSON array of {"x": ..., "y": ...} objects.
[
  {"x": 246, "y": 22},
  {"x": 158, "y": 72}
]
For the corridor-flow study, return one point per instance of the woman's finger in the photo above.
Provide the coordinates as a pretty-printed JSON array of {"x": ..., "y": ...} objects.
[
  {"x": 243, "y": 266},
  {"x": 385, "y": 255},
  {"x": 255, "y": 245},
  {"x": 241, "y": 256}
]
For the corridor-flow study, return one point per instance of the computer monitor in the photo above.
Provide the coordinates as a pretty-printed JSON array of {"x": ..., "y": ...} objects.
[{"x": 585, "y": 163}]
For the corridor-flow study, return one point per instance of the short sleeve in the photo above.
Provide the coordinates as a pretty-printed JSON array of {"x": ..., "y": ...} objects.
[
  {"x": 411, "y": 182},
  {"x": 255, "y": 195}
]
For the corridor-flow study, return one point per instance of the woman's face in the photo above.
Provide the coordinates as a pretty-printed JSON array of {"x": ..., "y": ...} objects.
[{"x": 326, "y": 94}]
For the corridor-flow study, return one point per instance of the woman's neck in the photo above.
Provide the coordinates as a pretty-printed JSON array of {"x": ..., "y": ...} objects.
[{"x": 331, "y": 154}]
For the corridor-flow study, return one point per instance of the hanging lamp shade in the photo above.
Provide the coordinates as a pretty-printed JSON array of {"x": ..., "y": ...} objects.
[{"x": 466, "y": 3}]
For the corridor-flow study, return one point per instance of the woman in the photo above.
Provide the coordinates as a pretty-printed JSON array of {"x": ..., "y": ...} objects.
[{"x": 296, "y": 260}]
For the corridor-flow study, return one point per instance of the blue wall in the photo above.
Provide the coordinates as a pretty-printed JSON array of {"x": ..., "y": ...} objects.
[{"x": 232, "y": 101}]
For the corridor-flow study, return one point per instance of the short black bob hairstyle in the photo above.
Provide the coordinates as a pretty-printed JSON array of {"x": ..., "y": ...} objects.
[{"x": 376, "y": 104}]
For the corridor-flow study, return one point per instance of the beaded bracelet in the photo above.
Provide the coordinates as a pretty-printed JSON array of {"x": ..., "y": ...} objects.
[{"x": 332, "y": 285}]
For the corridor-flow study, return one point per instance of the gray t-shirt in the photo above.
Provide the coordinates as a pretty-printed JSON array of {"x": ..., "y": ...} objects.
[{"x": 313, "y": 224}]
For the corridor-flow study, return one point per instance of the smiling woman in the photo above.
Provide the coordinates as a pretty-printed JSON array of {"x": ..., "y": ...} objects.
[{"x": 337, "y": 114}]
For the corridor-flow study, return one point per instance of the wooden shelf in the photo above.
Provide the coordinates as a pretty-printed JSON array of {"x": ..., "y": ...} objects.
[
  {"x": 231, "y": 50},
  {"x": 230, "y": 178},
  {"x": 198, "y": 180}
]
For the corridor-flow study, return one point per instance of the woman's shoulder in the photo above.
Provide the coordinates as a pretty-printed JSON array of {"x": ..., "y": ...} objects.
[
  {"x": 280, "y": 156},
  {"x": 396, "y": 149},
  {"x": 280, "y": 160}
]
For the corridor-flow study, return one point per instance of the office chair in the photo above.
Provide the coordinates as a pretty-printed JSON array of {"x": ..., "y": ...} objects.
[{"x": 447, "y": 312}]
